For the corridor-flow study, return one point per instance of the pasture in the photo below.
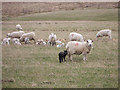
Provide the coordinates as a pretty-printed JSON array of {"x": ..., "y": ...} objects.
[{"x": 37, "y": 66}]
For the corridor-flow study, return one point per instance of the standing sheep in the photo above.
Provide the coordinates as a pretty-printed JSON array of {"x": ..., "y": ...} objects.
[
  {"x": 105, "y": 32},
  {"x": 73, "y": 36},
  {"x": 30, "y": 35},
  {"x": 18, "y": 27},
  {"x": 62, "y": 56},
  {"x": 16, "y": 34},
  {"x": 52, "y": 39},
  {"x": 75, "y": 47}
]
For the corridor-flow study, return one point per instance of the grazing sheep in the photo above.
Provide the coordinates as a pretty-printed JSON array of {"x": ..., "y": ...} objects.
[
  {"x": 16, "y": 41},
  {"x": 105, "y": 32},
  {"x": 30, "y": 35},
  {"x": 52, "y": 39},
  {"x": 73, "y": 36},
  {"x": 6, "y": 41},
  {"x": 62, "y": 56},
  {"x": 16, "y": 34},
  {"x": 75, "y": 47},
  {"x": 18, "y": 27}
]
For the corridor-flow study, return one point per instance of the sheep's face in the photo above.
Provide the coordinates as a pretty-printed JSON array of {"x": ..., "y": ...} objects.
[
  {"x": 8, "y": 34},
  {"x": 90, "y": 43},
  {"x": 65, "y": 52}
]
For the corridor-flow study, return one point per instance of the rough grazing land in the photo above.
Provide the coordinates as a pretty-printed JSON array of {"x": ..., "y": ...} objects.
[{"x": 37, "y": 66}]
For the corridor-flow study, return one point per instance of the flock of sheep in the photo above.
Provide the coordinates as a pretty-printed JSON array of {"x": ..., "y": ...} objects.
[{"x": 76, "y": 45}]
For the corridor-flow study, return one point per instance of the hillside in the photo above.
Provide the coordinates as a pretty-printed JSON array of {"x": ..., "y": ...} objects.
[{"x": 12, "y": 9}]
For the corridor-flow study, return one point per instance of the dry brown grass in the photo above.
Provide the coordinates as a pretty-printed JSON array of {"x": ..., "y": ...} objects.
[{"x": 21, "y": 8}]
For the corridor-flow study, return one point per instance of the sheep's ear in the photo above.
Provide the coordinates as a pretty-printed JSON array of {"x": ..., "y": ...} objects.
[
  {"x": 87, "y": 41},
  {"x": 92, "y": 40}
]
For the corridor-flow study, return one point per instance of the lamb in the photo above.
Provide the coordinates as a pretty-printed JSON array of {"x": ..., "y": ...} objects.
[
  {"x": 27, "y": 40},
  {"x": 52, "y": 39},
  {"x": 18, "y": 27},
  {"x": 6, "y": 41},
  {"x": 16, "y": 41},
  {"x": 16, "y": 34},
  {"x": 105, "y": 32},
  {"x": 30, "y": 35},
  {"x": 58, "y": 42},
  {"x": 73, "y": 36},
  {"x": 76, "y": 47},
  {"x": 62, "y": 56},
  {"x": 41, "y": 42}
]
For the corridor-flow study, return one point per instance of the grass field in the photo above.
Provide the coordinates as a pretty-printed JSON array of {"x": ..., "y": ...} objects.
[
  {"x": 38, "y": 67},
  {"x": 73, "y": 15}
]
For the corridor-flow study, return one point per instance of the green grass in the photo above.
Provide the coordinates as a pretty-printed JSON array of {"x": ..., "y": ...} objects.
[
  {"x": 32, "y": 66},
  {"x": 72, "y": 15},
  {"x": 38, "y": 66}
]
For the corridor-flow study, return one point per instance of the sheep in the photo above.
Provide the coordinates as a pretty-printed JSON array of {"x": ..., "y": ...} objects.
[
  {"x": 62, "y": 56},
  {"x": 52, "y": 39},
  {"x": 76, "y": 47},
  {"x": 41, "y": 42},
  {"x": 30, "y": 35},
  {"x": 18, "y": 27},
  {"x": 58, "y": 42},
  {"x": 16, "y": 41},
  {"x": 16, "y": 34},
  {"x": 6, "y": 41},
  {"x": 73, "y": 36},
  {"x": 105, "y": 32},
  {"x": 27, "y": 40}
]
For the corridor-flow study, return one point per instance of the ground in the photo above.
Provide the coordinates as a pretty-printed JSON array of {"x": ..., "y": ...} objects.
[{"x": 37, "y": 66}]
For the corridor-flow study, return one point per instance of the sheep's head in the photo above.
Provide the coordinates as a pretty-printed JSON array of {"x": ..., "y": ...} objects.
[
  {"x": 65, "y": 52},
  {"x": 90, "y": 42},
  {"x": 21, "y": 28},
  {"x": 9, "y": 34}
]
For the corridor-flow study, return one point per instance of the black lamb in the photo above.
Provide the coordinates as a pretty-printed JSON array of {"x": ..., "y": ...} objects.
[{"x": 62, "y": 56}]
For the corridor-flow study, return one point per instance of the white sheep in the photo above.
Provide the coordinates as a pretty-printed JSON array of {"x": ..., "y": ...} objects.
[
  {"x": 52, "y": 39},
  {"x": 18, "y": 27},
  {"x": 41, "y": 42},
  {"x": 6, "y": 41},
  {"x": 27, "y": 40},
  {"x": 16, "y": 41},
  {"x": 76, "y": 47},
  {"x": 16, "y": 34},
  {"x": 73, "y": 36},
  {"x": 105, "y": 32},
  {"x": 30, "y": 35},
  {"x": 58, "y": 42}
]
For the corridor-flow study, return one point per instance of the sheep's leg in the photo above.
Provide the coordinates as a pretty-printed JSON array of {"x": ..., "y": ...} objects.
[
  {"x": 64, "y": 58},
  {"x": 59, "y": 59},
  {"x": 71, "y": 57},
  {"x": 8, "y": 42},
  {"x": 110, "y": 37},
  {"x": 84, "y": 56}
]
